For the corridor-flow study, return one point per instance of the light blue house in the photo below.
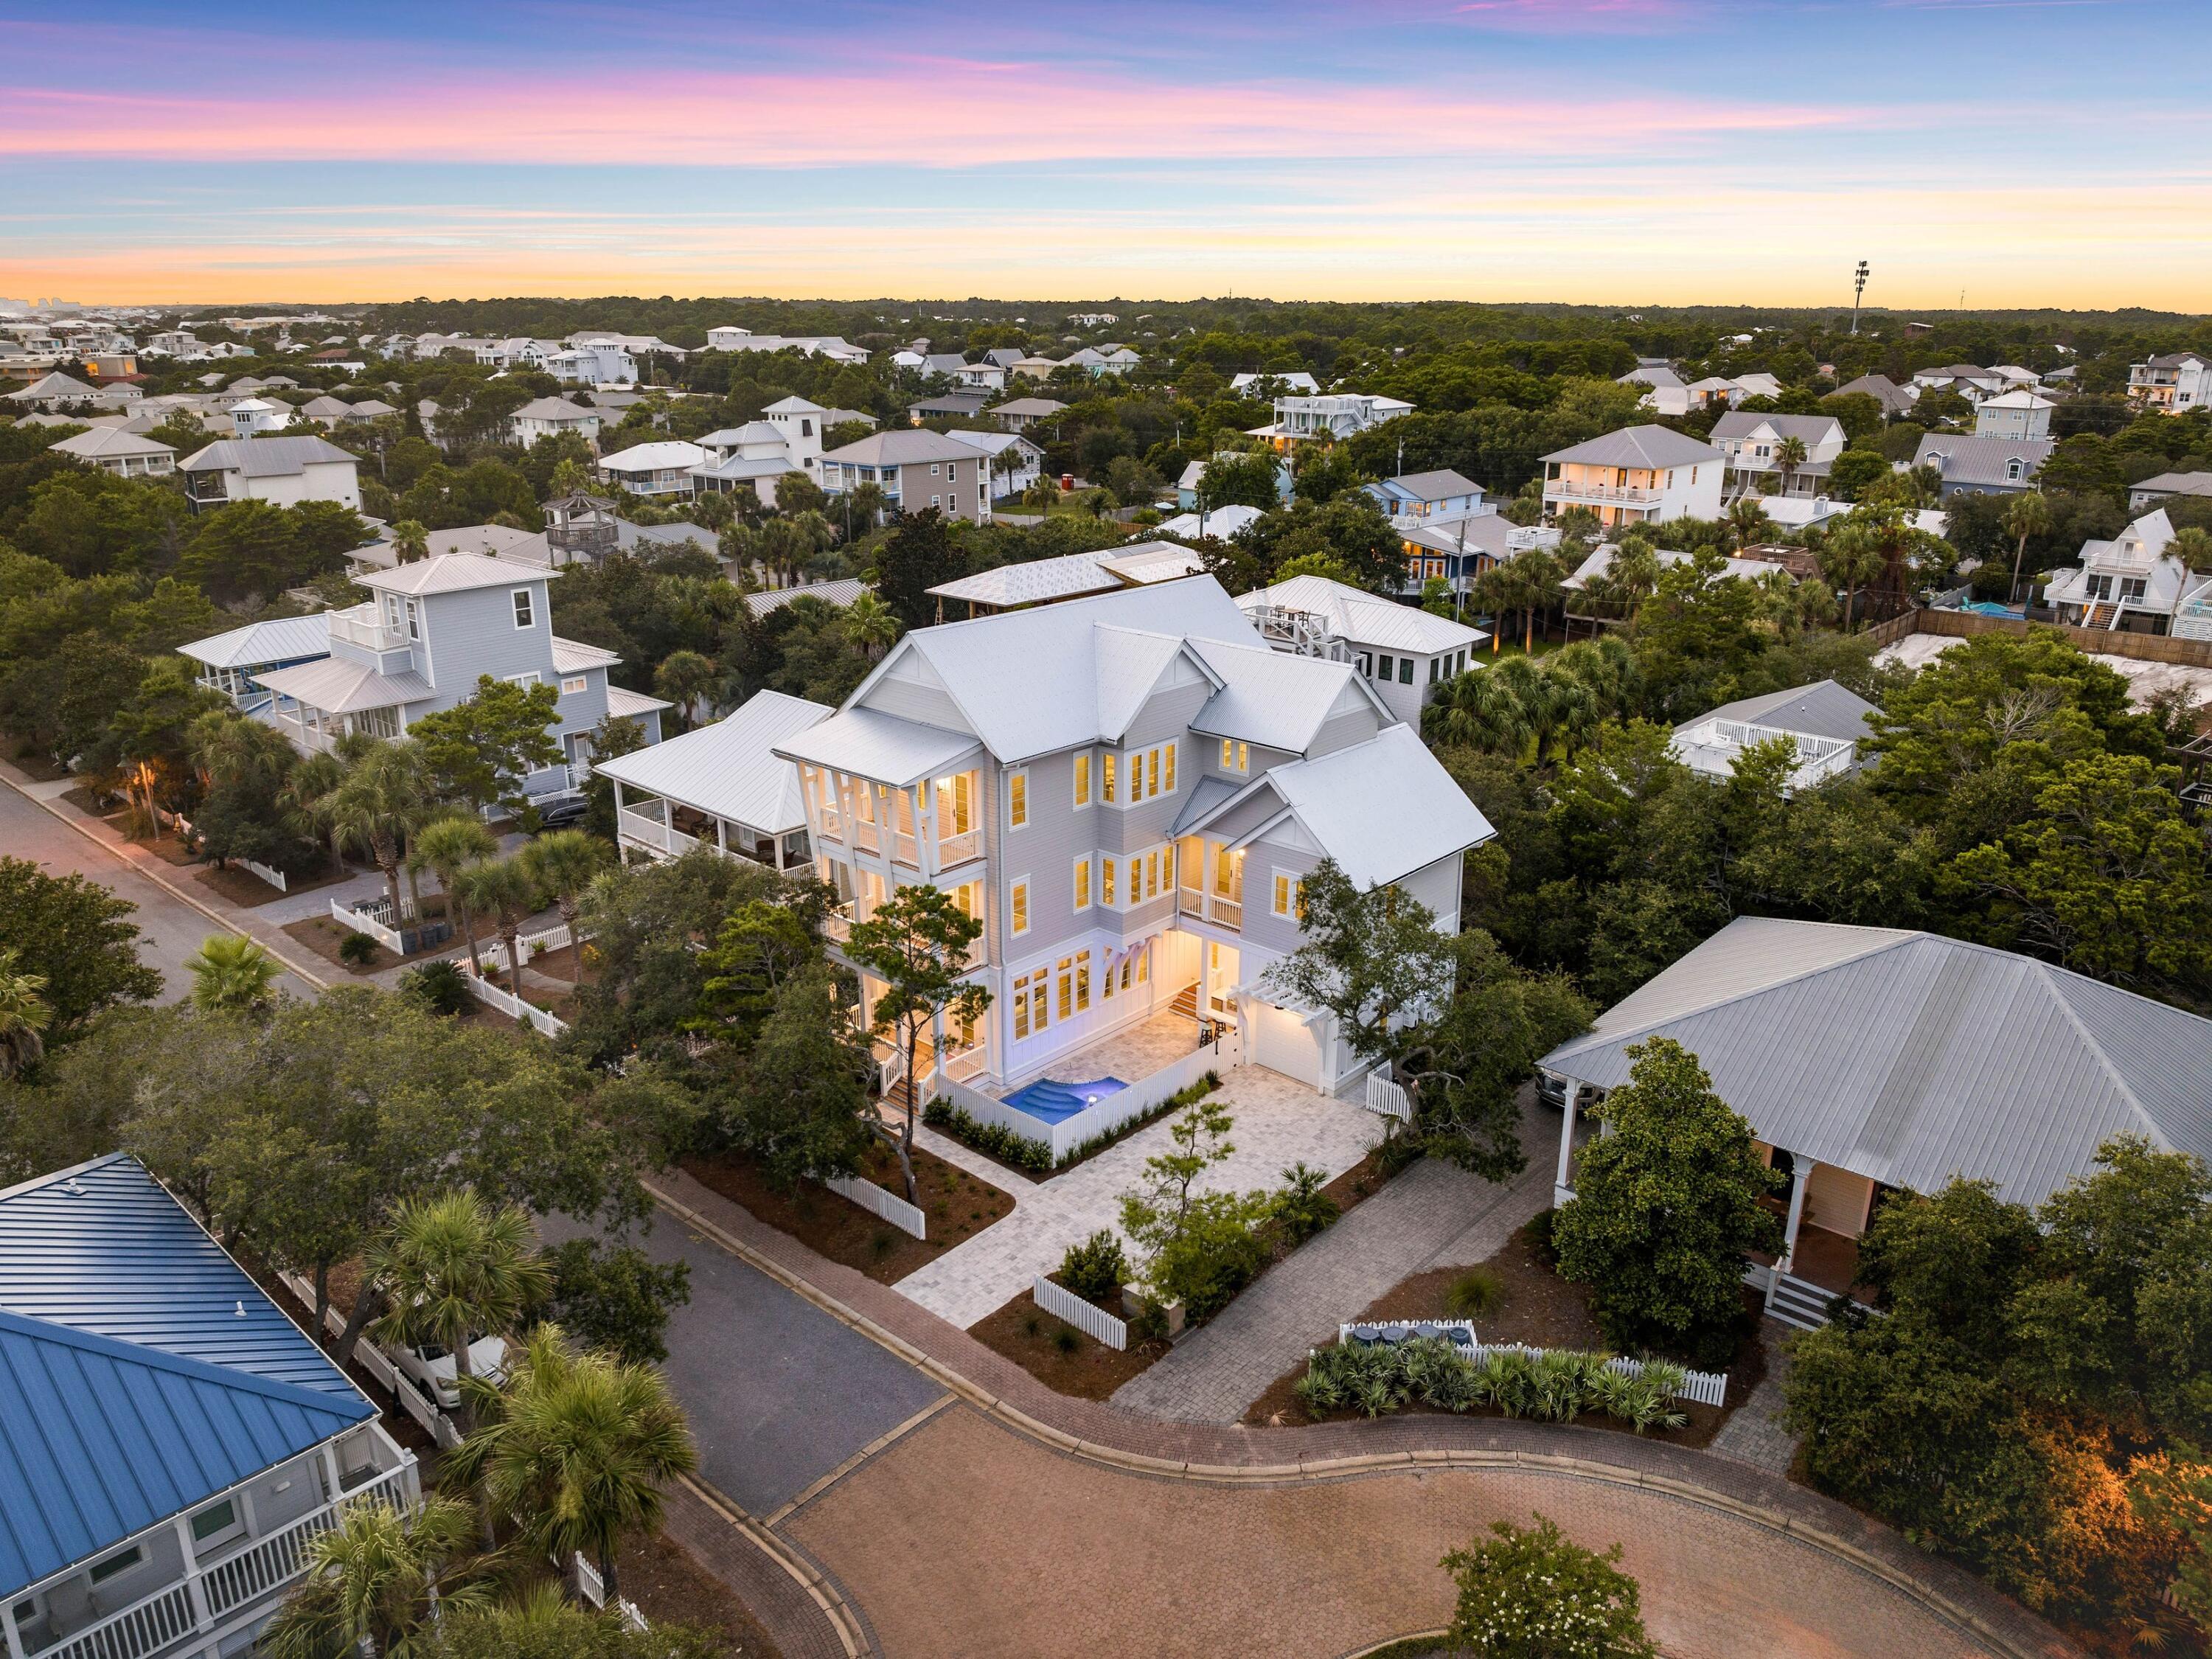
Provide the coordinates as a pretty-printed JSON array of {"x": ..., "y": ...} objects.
[
  {"x": 1443, "y": 494},
  {"x": 434, "y": 628},
  {"x": 169, "y": 1440}
]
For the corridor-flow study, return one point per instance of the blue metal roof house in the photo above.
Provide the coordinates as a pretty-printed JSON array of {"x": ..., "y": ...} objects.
[{"x": 169, "y": 1439}]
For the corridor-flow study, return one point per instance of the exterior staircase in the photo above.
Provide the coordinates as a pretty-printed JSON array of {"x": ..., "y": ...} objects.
[
  {"x": 2103, "y": 614},
  {"x": 1186, "y": 1002},
  {"x": 1798, "y": 1303}
]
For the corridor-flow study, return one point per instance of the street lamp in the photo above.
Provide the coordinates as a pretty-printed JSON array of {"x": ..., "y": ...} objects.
[{"x": 1858, "y": 287}]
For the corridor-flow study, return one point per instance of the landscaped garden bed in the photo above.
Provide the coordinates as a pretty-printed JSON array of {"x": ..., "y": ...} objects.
[
  {"x": 1063, "y": 1358},
  {"x": 324, "y": 937},
  {"x": 241, "y": 887},
  {"x": 1515, "y": 1296},
  {"x": 1033, "y": 1158},
  {"x": 669, "y": 1588},
  {"x": 959, "y": 1205}
]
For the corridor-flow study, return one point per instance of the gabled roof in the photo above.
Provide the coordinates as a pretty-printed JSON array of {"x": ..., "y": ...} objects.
[
  {"x": 265, "y": 457},
  {"x": 1334, "y": 797},
  {"x": 451, "y": 572},
  {"x": 573, "y": 656},
  {"x": 1275, "y": 699},
  {"x": 286, "y": 639},
  {"x": 108, "y": 440},
  {"x": 55, "y": 384},
  {"x": 731, "y": 768},
  {"x": 1822, "y": 709},
  {"x": 1978, "y": 461},
  {"x": 1639, "y": 446},
  {"x": 552, "y": 408},
  {"x": 1807, "y": 429},
  {"x": 870, "y": 743},
  {"x": 1440, "y": 485},
  {"x": 1910, "y": 1058},
  {"x": 902, "y": 447},
  {"x": 1035, "y": 581},
  {"x": 1356, "y": 615},
  {"x": 1041, "y": 408},
  {"x": 142, "y": 1372},
  {"x": 653, "y": 457},
  {"x": 841, "y": 593},
  {"x": 339, "y": 685}
]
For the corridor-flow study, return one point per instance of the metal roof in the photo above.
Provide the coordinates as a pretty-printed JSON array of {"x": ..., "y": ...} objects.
[
  {"x": 451, "y": 573},
  {"x": 1354, "y": 614},
  {"x": 106, "y": 440},
  {"x": 142, "y": 1372},
  {"x": 286, "y": 639},
  {"x": 902, "y": 447},
  {"x": 840, "y": 593},
  {"x": 338, "y": 685},
  {"x": 1910, "y": 1058},
  {"x": 1961, "y": 458},
  {"x": 1335, "y": 797},
  {"x": 265, "y": 458},
  {"x": 1274, "y": 698},
  {"x": 1809, "y": 429},
  {"x": 1822, "y": 709},
  {"x": 870, "y": 743},
  {"x": 573, "y": 656},
  {"x": 1640, "y": 446},
  {"x": 624, "y": 704},
  {"x": 653, "y": 457},
  {"x": 1439, "y": 485},
  {"x": 731, "y": 768},
  {"x": 1036, "y": 581}
]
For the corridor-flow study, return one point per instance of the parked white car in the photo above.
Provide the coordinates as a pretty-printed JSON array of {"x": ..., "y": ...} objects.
[{"x": 430, "y": 1367}]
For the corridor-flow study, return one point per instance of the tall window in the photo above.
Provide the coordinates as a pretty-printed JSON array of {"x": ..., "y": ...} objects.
[
  {"x": 1083, "y": 882},
  {"x": 1029, "y": 1004},
  {"x": 1082, "y": 980},
  {"x": 1290, "y": 897},
  {"x": 1106, "y": 867},
  {"x": 1170, "y": 751},
  {"x": 525, "y": 613},
  {"x": 1067, "y": 988},
  {"x": 1018, "y": 907},
  {"x": 1083, "y": 780},
  {"x": 1106, "y": 779},
  {"x": 1017, "y": 800}
]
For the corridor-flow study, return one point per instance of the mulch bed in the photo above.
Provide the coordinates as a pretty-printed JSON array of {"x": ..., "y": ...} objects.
[
  {"x": 37, "y": 767},
  {"x": 84, "y": 801},
  {"x": 321, "y": 935},
  {"x": 669, "y": 1587},
  {"x": 1538, "y": 1308},
  {"x": 958, "y": 1206},
  {"x": 1025, "y": 1334},
  {"x": 235, "y": 885}
]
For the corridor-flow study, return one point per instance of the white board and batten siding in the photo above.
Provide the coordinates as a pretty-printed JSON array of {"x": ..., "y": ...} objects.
[
  {"x": 886, "y": 1206},
  {"x": 1065, "y": 1305}
]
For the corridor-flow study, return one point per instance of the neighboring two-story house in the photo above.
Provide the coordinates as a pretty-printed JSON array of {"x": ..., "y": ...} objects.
[
  {"x": 1455, "y": 551},
  {"x": 169, "y": 1439},
  {"x": 661, "y": 468},
  {"x": 1968, "y": 465},
  {"x": 2134, "y": 583},
  {"x": 548, "y": 417},
  {"x": 915, "y": 469},
  {"x": 1403, "y": 653},
  {"x": 1752, "y": 444},
  {"x": 433, "y": 629},
  {"x": 283, "y": 471},
  {"x": 1827, "y": 722},
  {"x": 1638, "y": 475},
  {"x": 2019, "y": 414},
  {"x": 1332, "y": 414},
  {"x": 1127, "y": 792},
  {"x": 115, "y": 449},
  {"x": 2173, "y": 384}
]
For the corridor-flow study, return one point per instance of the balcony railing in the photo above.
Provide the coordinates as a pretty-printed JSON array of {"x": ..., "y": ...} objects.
[
  {"x": 1224, "y": 912},
  {"x": 1560, "y": 489},
  {"x": 362, "y": 626},
  {"x": 959, "y": 849},
  {"x": 264, "y": 1567},
  {"x": 650, "y": 831}
]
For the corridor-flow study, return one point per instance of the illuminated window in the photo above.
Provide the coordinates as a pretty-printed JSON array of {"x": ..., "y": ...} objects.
[
  {"x": 1082, "y": 980},
  {"x": 1106, "y": 780},
  {"x": 1083, "y": 884},
  {"x": 1022, "y": 989},
  {"x": 1171, "y": 768},
  {"x": 1152, "y": 768},
  {"x": 1066, "y": 987},
  {"x": 1083, "y": 780},
  {"x": 1018, "y": 907},
  {"x": 573, "y": 684},
  {"x": 1106, "y": 882},
  {"x": 1136, "y": 776},
  {"x": 1017, "y": 800},
  {"x": 1144, "y": 963},
  {"x": 1290, "y": 897}
]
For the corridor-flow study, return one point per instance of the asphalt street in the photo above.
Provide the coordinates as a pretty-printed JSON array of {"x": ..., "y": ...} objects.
[{"x": 169, "y": 930}]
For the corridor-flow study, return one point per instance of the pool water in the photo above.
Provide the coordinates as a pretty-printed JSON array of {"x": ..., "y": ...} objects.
[{"x": 1050, "y": 1102}]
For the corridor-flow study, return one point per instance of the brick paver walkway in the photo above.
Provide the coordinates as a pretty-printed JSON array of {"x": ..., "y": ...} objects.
[
  {"x": 1432, "y": 1215},
  {"x": 1756, "y": 1434},
  {"x": 1363, "y": 1538},
  {"x": 968, "y": 1539}
]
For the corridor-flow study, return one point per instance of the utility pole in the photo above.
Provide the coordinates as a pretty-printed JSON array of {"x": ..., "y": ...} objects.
[{"x": 1858, "y": 287}]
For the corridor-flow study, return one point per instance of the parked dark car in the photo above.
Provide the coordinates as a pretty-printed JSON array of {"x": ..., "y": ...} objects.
[{"x": 565, "y": 812}]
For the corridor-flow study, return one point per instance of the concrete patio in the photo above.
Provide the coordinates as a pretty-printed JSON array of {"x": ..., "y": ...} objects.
[
  {"x": 1278, "y": 1122},
  {"x": 1130, "y": 1055}
]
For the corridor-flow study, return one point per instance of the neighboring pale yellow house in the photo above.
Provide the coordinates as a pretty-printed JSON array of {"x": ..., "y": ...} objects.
[{"x": 1638, "y": 475}]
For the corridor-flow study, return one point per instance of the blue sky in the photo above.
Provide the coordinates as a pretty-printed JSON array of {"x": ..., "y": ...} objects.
[{"x": 2030, "y": 152}]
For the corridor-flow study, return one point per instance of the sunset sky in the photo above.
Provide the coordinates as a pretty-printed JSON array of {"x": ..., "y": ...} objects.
[{"x": 2028, "y": 152}]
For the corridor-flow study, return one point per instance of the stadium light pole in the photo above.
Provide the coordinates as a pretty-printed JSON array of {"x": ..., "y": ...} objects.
[{"x": 1858, "y": 287}]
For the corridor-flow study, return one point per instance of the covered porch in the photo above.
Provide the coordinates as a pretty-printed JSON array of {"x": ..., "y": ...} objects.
[{"x": 663, "y": 827}]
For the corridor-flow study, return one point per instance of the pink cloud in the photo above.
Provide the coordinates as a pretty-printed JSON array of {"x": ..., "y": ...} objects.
[{"x": 959, "y": 114}]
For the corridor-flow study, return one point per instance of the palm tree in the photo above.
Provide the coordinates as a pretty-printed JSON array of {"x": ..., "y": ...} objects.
[
  {"x": 453, "y": 1269},
  {"x": 1747, "y": 521},
  {"x": 503, "y": 890},
  {"x": 2025, "y": 515},
  {"x": 1849, "y": 559},
  {"x": 384, "y": 795},
  {"x": 1479, "y": 711},
  {"x": 1789, "y": 456},
  {"x": 231, "y": 974},
  {"x": 2192, "y": 546},
  {"x": 686, "y": 679},
  {"x": 376, "y": 1581},
  {"x": 872, "y": 625},
  {"x": 410, "y": 541},
  {"x": 304, "y": 798},
  {"x": 24, "y": 1015},
  {"x": 578, "y": 1447},
  {"x": 1633, "y": 575},
  {"x": 226, "y": 747},
  {"x": 446, "y": 847},
  {"x": 564, "y": 864}
]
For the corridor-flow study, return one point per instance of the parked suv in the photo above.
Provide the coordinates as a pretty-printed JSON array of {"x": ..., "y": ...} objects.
[{"x": 430, "y": 1368}]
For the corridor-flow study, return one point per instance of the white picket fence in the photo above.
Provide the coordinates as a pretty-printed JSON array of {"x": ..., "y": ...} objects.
[
  {"x": 372, "y": 1359},
  {"x": 1062, "y": 1303},
  {"x": 511, "y": 1005},
  {"x": 543, "y": 942},
  {"x": 889, "y": 1207},
  {"x": 274, "y": 877},
  {"x": 1387, "y": 1098},
  {"x": 361, "y": 921},
  {"x": 593, "y": 1588}
]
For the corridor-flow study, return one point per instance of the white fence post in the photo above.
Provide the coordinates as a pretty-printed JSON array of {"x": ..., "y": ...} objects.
[
  {"x": 889, "y": 1207},
  {"x": 362, "y": 922},
  {"x": 513, "y": 1006},
  {"x": 1065, "y": 1305}
]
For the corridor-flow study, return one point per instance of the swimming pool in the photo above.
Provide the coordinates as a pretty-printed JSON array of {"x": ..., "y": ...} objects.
[{"x": 1048, "y": 1100}]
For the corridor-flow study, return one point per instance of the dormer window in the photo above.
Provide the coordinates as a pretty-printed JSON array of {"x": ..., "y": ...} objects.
[
  {"x": 526, "y": 610},
  {"x": 2014, "y": 469}
]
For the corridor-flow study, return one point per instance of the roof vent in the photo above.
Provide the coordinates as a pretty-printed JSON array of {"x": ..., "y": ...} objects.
[
  {"x": 73, "y": 1188},
  {"x": 241, "y": 1309}
]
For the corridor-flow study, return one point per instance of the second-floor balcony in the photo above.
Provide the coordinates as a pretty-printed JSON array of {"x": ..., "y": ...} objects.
[
  {"x": 838, "y": 923},
  {"x": 364, "y": 626},
  {"x": 1563, "y": 489}
]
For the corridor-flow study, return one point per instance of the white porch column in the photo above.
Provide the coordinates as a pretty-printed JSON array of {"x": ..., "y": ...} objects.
[
  {"x": 202, "y": 1616},
  {"x": 8, "y": 1633},
  {"x": 1560, "y": 1191},
  {"x": 1799, "y": 1179},
  {"x": 925, "y": 829}
]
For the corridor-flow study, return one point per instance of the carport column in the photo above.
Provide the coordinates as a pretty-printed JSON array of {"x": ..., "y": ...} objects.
[
  {"x": 1560, "y": 1191},
  {"x": 1799, "y": 1179}
]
